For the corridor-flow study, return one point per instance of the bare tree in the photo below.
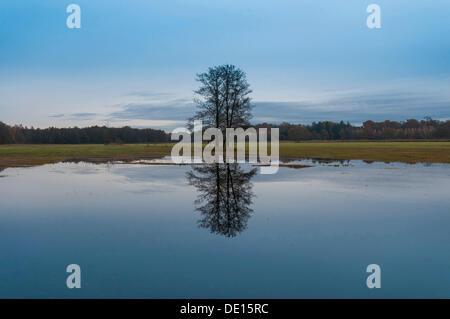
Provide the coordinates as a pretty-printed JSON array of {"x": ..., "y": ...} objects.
[{"x": 223, "y": 98}]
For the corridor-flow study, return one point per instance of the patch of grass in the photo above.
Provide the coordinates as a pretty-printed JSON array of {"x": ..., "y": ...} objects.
[
  {"x": 30, "y": 155},
  {"x": 408, "y": 152}
]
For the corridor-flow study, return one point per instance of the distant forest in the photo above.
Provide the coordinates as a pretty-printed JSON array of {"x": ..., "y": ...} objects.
[
  {"x": 387, "y": 130},
  {"x": 370, "y": 130},
  {"x": 90, "y": 135}
]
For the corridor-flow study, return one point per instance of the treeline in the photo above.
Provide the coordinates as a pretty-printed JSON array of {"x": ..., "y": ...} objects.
[
  {"x": 75, "y": 135},
  {"x": 370, "y": 130}
]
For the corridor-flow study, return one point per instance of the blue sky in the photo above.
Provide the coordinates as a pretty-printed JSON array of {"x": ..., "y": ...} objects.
[{"x": 134, "y": 62}]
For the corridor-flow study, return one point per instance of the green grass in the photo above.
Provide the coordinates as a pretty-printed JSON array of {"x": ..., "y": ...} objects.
[
  {"x": 409, "y": 152},
  {"x": 29, "y": 155}
]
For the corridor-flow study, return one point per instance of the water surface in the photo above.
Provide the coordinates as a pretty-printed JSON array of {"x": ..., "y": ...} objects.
[{"x": 225, "y": 232}]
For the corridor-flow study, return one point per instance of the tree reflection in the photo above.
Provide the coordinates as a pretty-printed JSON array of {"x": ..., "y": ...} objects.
[{"x": 225, "y": 196}]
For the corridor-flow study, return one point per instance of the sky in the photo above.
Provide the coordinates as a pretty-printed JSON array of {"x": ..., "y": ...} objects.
[{"x": 134, "y": 62}]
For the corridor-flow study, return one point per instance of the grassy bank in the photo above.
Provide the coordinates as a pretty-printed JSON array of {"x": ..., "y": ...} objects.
[
  {"x": 29, "y": 155},
  {"x": 409, "y": 152}
]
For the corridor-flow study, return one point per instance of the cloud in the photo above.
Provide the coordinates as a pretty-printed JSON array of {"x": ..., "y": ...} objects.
[
  {"x": 56, "y": 115},
  {"x": 75, "y": 116},
  {"x": 175, "y": 110},
  {"x": 352, "y": 106},
  {"x": 356, "y": 107},
  {"x": 82, "y": 116}
]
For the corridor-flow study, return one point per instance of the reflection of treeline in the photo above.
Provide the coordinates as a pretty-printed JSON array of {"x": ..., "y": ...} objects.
[
  {"x": 89, "y": 135},
  {"x": 410, "y": 129},
  {"x": 370, "y": 130}
]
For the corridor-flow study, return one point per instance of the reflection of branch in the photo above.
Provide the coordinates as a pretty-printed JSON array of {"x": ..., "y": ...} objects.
[{"x": 225, "y": 196}]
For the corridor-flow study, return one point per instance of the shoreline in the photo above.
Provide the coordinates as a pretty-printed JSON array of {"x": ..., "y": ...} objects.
[{"x": 380, "y": 151}]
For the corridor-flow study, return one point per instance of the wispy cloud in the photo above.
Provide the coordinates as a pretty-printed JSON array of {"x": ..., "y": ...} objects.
[
  {"x": 176, "y": 110},
  {"x": 75, "y": 116},
  {"x": 356, "y": 107},
  {"x": 56, "y": 115},
  {"x": 82, "y": 116}
]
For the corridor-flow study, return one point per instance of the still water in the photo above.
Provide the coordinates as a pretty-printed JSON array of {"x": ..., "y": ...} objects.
[{"x": 156, "y": 231}]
